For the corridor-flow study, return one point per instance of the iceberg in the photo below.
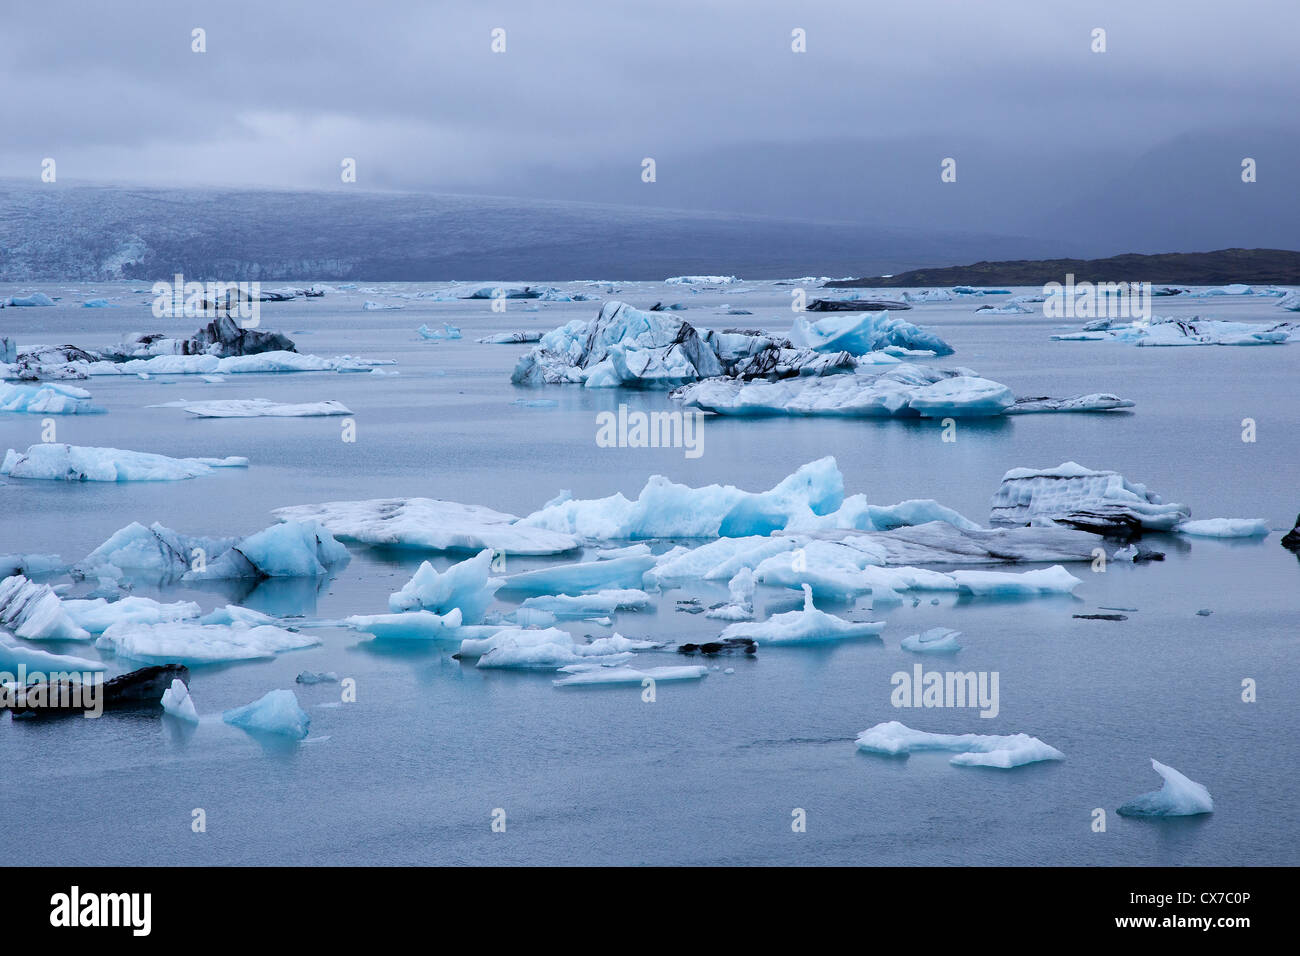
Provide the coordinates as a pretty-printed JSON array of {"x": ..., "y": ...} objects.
[
  {"x": 1177, "y": 797},
  {"x": 971, "y": 750},
  {"x": 665, "y": 509},
  {"x": 258, "y": 408},
  {"x": 741, "y": 607},
  {"x": 1005, "y": 584},
  {"x": 46, "y": 398},
  {"x": 1225, "y": 528},
  {"x": 430, "y": 524},
  {"x": 176, "y": 701},
  {"x": 801, "y": 627},
  {"x": 511, "y": 338},
  {"x": 288, "y": 550},
  {"x": 60, "y": 462},
  {"x": 275, "y": 713},
  {"x": 549, "y": 649},
  {"x": 34, "y": 612},
  {"x": 466, "y": 586},
  {"x": 861, "y": 332},
  {"x": 583, "y": 577},
  {"x": 27, "y": 301},
  {"x": 964, "y": 396},
  {"x": 1102, "y": 502},
  {"x": 184, "y": 642},
  {"x": 158, "y": 550},
  {"x": 604, "y": 676},
  {"x": 410, "y": 625},
  {"x": 565, "y": 606},
  {"x": 937, "y": 640},
  {"x": 97, "y": 615},
  {"x": 15, "y": 656},
  {"x": 1164, "y": 331}
]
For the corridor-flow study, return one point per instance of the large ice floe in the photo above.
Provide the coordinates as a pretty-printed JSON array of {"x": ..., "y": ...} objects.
[
  {"x": 806, "y": 626},
  {"x": 290, "y": 549},
  {"x": 257, "y": 408},
  {"x": 970, "y": 750},
  {"x": 1103, "y": 502},
  {"x": 221, "y": 347},
  {"x": 275, "y": 713},
  {"x": 898, "y": 391},
  {"x": 657, "y": 349},
  {"x": 61, "y": 462},
  {"x": 1160, "y": 331},
  {"x": 45, "y": 399},
  {"x": 1177, "y": 797},
  {"x": 192, "y": 643},
  {"x": 431, "y": 525}
]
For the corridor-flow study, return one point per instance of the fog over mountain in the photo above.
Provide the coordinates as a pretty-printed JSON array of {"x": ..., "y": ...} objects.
[{"x": 1059, "y": 150}]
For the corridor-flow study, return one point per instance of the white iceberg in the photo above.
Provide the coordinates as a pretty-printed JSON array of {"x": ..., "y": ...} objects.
[
  {"x": 46, "y": 398},
  {"x": 1225, "y": 528},
  {"x": 562, "y": 606},
  {"x": 176, "y": 701},
  {"x": 97, "y": 615},
  {"x": 189, "y": 643},
  {"x": 1053, "y": 580},
  {"x": 1177, "y": 797},
  {"x": 937, "y": 640},
  {"x": 410, "y": 625},
  {"x": 802, "y": 627},
  {"x": 466, "y": 586},
  {"x": 549, "y": 649},
  {"x": 13, "y": 656},
  {"x": 34, "y": 612},
  {"x": 861, "y": 332},
  {"x": 741, "y": 606},
  {"x": 583, "y": 577},
  {"x": 971, "y": 750},
  {"x": 430, "y": 524},
  {"x": 1103, "y": 502},
  {"x": 60, "y": 462},
  {"x": 35, "y": 299},
  {"x": 275, "y": 713},
  {"x": 586, "y": 676},
  {"x": 291, "y": 549},
  {"x": 260, "y": 408}
]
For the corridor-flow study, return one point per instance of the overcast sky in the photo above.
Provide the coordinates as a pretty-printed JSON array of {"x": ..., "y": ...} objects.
[{"x": 411, "y": 89}]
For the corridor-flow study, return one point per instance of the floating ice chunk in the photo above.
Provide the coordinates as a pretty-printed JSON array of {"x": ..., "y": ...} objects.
[
  {"x": 292, "y": 549},
  {"x": 1290, "y": 302},
  {"x": 1172, "y": 332},
  {"x": 30, "y": 564},
  {"x": 98, "y": 615},
  {"x": 972, "y": 750},
  {"x": 550, "y": 648},
  {"x": 35, "y": 299},
  {"x": 665, "y": 509},
  {"x": 962, "y": 397},
  {"x": 34, "y": 612},
  {"x": 234, "y": 614},
  {"x": 410, "y": 625},
  {"x": 861, "y": 332},
  {"x": 701, "y": 280},
  {"x": 466, "y": 585},
  {"x": 631, "y": 551},
  {"x": 741, "y": 606},
  {"x": 1103, "y": 502},
  {"x": 1177, "y": 797},
  {"x": 1225, "y": 528},
  {"x": 937, "y": 640},
  {"x": 1053, "y": 580},
  {"x": 192, "y": 644},
  {"x": 512, "y": 338},
  {"x": 324, "y": 677},
  {"x": 563, "y": 606},
  {"x": 589, "y": 676},
  {"x": 800, "y": 627},
  {"x": 14, "y": 656},
  {"x": 429, "y": 524},
  {"x": 156, "y": 549},
  {"x": 275, "y": 713},
  {"x": 60, "y": 462},
  {"x": 176, "y": 701},
  {"x": 717, "y": 560},
  {"x": 261, "y": 408},
  {"x": 46, "y": 398},
  {"x": 1093, "y": 402},
  {"x": 584, "y": 577},
  {"x": 369, "y": 306}
]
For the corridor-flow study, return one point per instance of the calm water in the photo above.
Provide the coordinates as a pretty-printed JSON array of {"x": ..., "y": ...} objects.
[{"x": 711, "y": 771}]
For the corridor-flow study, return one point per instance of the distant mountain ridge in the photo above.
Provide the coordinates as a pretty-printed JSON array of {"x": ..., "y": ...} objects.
[
  {"x": 95, "y": 233},
  {"x": 1260, "y": 266}
]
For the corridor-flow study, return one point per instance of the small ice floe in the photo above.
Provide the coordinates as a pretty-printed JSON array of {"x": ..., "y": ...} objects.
[
  {"x": 47, "y": 398},
  {"x": 28, "y": 301},
  {"x": 1290, "y": 302},
  {"x": 861, "y": 332},
  {"x": 535, "y": 403},
  {"x": 466, "y": 585},
  {"x": 1225, "y": 528},
  {"x": 258, "y": 408},
  {"x": 14, "y": 656},
  {"x": 189, "y": 643},
  {"x": 275, "y": 713},
  {"x": 806, "y": 626},
  {"x": 1177, "y": 797},
  {"x": 585, "y": 675},
  {"x": 370, "y": 306},
  {"x": 512, "y": 338},
  {"x": 701, "y": 280},
  {"x": 1004, "y": 584},
  {"x": 576, "y": 607},
  {"x": 97, "y": 615},
  {"x": 176, "y": 701},
  {"x": 631, "y": 551},
  {"x": 60, "y": 462},
  {"x": 310, "y": 677},
  {"x": 583, "y": 577},
  {"x": 1173, "y": 332},
  {"x": 937, "y": 640},
  {"x": 1094, "y": 402},
  {"x": 410, "y": 625},
  {"x": 970, "y": 750},
  {"x": 30, "y": 564},
  {"x": 35, "y": 612},
  {"x": 430, "y": 524},
  {"x": 449, "y": 331},
  {"x": 741, "y": 606},
  {"x": 548, "y": 649},
  {"x": 1102, "y": 502}
]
